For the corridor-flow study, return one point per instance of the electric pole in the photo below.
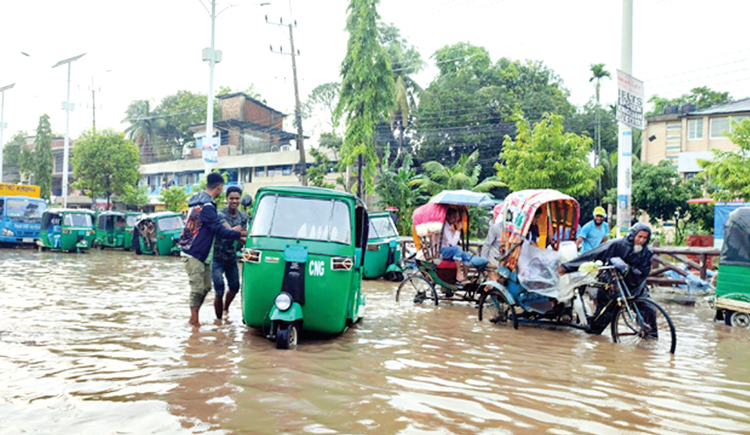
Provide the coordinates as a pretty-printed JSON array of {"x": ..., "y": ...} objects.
[
  {"x": 625, "y": 133},
  {"x": 297, "y": 106}
]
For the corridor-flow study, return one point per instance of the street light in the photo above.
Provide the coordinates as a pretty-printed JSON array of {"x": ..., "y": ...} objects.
[
  {"x": 212, "y": 56},
  {"x": 2, "y": 124},
  {"x": 68, "y": 107}
]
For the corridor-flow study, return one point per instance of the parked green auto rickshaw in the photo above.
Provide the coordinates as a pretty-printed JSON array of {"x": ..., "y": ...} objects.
[
  {"x": 303, "y": 262},
  {"x": 157, "y": 234},
  {"x": 110, "y": 230},
  {"x": 131, "y": 217},
  {"x": 732, "y": 301},
  {"x": 66, "y": 230},
  {"x": 383, "y": 249}
]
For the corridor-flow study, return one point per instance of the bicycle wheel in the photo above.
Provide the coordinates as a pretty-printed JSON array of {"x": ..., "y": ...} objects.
[
  {"x": 644, "y": 323},
  {"x": 494, "y": 308},
  {"x": 416, "y": 290}
]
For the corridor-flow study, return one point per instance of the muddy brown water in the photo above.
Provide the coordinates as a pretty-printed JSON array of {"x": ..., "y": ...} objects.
[{"x": 99, "y": 343}]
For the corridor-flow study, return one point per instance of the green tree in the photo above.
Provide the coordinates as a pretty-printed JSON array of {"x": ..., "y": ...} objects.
[
  {"x": 597, "y": 74},
  {"x": 547, "y": 158},
  {"x": 39, "y": 162},
  {"x": 145, "y": 129},
  {"x": 176, "y": 112},
  {"x": 317, "y": 172},
  {"x": 135, "y": 196},
  {"x": 405, "y": 62},
  {"x": 703, "y": 97},
  {"x": 729, "y": 171},
  {"x": 12, "y": 157},
  {"x": 394, "y": 188},
  {"x": 174, "y": 198},
  {"x": 322, "y": 103},
  {"x": 367, "y": 90},
  {"x": 463, "y": 175},
  {"x": 104, "y": 163},
  {"x": 469, "y": 106}
]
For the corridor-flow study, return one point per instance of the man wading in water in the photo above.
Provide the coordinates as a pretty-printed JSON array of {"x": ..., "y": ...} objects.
[{"x": 225, "y": 253}]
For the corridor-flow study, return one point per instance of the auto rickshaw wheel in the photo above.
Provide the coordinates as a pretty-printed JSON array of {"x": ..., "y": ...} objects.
[
  {"x": 416, "y": 290},
  {"x": 286, "y": 335},
  {"x": 494, "y": 308},
  {"x": 738, "y": 319}
]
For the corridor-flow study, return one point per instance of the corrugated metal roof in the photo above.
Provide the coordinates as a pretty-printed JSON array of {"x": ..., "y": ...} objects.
[{"x": 736, "y": 107}]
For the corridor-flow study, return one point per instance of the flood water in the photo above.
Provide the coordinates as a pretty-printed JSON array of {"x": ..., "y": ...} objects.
[{"x": 99, "y": 343}]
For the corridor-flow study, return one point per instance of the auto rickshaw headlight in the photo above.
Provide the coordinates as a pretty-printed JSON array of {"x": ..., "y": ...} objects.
[{"x": 283, "y": 301}]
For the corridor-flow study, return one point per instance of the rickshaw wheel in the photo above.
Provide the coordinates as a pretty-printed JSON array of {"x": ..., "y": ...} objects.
[
  {"x": 494, "y": 307},
  {"x": 286, "y": 335},
  {"x": 738, "y": 319},
  {"x": 644, "y": 323},
  {"x": 416, "y": 290}
]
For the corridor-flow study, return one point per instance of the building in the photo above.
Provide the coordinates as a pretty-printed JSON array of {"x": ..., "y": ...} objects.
[
  {"x": 254, "y": 151},
  {"x": 75, "y": 197},
  {"x": 684, "y": 135}
]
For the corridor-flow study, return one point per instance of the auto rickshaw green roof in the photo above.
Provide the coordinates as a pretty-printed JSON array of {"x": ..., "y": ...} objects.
[
  {"x": 310, "y": 191},
  {"x": 376, "y": 214},
  {"x": 68, "y": 210}
]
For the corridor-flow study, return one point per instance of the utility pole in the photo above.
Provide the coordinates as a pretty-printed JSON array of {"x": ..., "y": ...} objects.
[
  {"x": 2, "y": 124},
  {"x": 66, "y": 150},
  {"x": 297, "y": 106},
  {"x": 625, "y": 133},
  {"x": 93, "y": 105}
]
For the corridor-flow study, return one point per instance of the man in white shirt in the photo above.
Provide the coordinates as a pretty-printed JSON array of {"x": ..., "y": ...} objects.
[{"x": 449, "y": 249}]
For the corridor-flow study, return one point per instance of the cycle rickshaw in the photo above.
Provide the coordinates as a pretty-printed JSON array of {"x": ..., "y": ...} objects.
[
  {"x": 530, "y": 291},
  {"x": 433, "y": 273}
]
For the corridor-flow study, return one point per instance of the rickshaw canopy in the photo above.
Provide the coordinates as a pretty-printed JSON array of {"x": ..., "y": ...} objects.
[
  {"x": 519, "y": 208},
  {"x": 462, "y": 197}
]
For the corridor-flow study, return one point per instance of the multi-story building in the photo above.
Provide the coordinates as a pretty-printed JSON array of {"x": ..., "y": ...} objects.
[
  {"x": 75, "y": 197},
  {"x": 254, "y": 150},
  {"x": 684, "y": 135}
]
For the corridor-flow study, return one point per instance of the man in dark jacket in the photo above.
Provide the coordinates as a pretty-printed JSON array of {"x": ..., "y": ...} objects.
[
  {"x": 633, "y": 249},
  {"x": 198, "y": 256}
]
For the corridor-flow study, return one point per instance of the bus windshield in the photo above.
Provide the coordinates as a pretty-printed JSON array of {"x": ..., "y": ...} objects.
[
  {"x": 294, "y": 217},
  {"x": 25, "y": 210}
]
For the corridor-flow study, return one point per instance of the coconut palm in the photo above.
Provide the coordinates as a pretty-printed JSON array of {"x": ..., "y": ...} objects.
[
  {"x": 144, "y": 128},
  {"x": 598, "y": 73},
  {"x": 463, "y": 175}
]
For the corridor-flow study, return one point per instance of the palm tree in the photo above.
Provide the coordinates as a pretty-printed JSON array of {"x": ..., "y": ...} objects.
[
  {"x": 598, "y": 73},
  {"x": 463, "y": 175},
  {"x": 144, "y": 128}
]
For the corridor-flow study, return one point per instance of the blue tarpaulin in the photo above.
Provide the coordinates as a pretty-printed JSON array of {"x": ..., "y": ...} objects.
[{"x": 721, "y": 213}]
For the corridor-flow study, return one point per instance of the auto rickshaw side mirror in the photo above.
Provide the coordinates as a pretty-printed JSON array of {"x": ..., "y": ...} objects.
[{"x": 246, "y": 201}]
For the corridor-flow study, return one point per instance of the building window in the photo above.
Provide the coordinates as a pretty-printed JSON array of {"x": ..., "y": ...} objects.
[
  {"x": 275, "y": 171},
  {"x": 260, "y": 171},
  {"x": 695, "y": 128},
  {"x": 723, "y": 124},
  {"x": 286, "y": 170}
]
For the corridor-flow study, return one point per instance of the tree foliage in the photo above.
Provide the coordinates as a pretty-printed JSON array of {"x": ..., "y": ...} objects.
[
  {"x": 547, "y": 158},
  {"x": 137, "y": 196},
  {"x": 319, "y": 169},
  {"x": 12, "y": 157},
  {"x": 174, "y": 198},
  {"x": 729, "y": 171},
  {"x": 703, "y": 97},
  {"x": 658, "y": 190},
  {"x": 466, "y": 175},
  {"x": 105, "y": 163},
  {"x": 394, "y": 188},
  {"x": 321, "y": 103},
  {"x": 470, "y": 104},
  {"x": 367, "y": 89},
  {"x": 39, "y": 162}
]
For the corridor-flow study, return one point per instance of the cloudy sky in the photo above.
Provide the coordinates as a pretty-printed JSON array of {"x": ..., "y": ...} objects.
[{"x": 147, "y": 49}]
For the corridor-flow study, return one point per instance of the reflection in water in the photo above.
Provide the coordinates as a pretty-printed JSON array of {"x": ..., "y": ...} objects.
[{"x": 99, "y": 342}]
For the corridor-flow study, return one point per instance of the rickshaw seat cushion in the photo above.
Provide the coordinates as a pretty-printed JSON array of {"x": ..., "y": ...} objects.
[{"x": 446, "y": 264}]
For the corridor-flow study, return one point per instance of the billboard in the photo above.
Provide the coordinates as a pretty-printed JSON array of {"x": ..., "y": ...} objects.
[
  {"x": 19, "y": 190},
  {"x": 630, "y": 99}
]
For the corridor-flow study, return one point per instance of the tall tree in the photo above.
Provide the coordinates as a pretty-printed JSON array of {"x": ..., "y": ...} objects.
[
  {"x": 105, "y": 163},
  {"x": 39, "y": 162},
  {"x": 703, "y": 97},
  {"x": 547, "y": 158},
  {"x": 597, "y": 74},
  {"x": 405, "y": 62},
  {"x": 144, "y": 129},
  {"x": 729, "y": 171},
  {"x": 367, "y": 90},
  {"x": 470, "y": 104}
]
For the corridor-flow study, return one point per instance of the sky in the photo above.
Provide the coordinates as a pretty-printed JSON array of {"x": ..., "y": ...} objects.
[{"x": 148, "y": 49}]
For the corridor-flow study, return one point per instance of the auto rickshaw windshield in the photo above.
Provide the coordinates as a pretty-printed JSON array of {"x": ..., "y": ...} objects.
[
  {"x": 381, "y": 227},
  {"x": 170, "y": 223},
  {"x": 295, "y": 217},
  {"x": 131, "y": 220},
  {"x": 77, "y": 220}
]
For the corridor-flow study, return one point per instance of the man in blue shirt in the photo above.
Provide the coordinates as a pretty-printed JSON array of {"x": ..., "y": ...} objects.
[{"x": 593, "y": 233}]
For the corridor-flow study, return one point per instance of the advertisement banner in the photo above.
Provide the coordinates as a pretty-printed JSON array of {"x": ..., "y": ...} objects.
[
  {"x": 211, "y": 150},
  {"x": 630, "y": 99},
  {"x": 19, "y": 190}
]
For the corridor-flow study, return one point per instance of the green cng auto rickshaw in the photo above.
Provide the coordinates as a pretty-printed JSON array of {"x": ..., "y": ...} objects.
[
  {"x": 732, "y": 301},
  {"x": 110, "y": 230},
  {"x": 157, "y": 234},
  {"x": 303, "y": 262},
  {"x": 66, "y": 230},
  {"x": 383, "y": 249}
]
